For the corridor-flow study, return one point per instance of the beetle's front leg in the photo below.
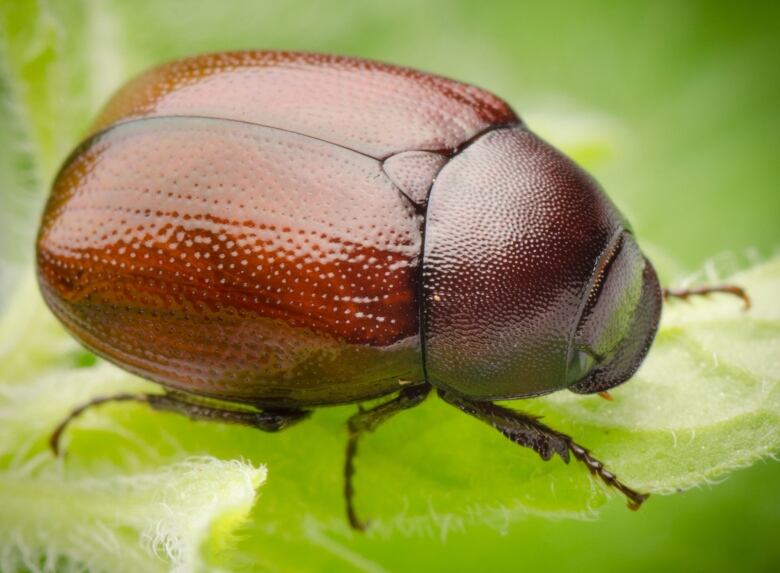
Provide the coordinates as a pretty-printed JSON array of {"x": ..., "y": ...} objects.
[
  {"x": 528, "y": 431},
  {"x": 195, "y": 408},
  {"x": 686, "y": 293}
]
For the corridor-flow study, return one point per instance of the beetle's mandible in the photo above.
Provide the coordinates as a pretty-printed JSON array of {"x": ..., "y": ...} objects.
[{"x": 262, "y": 233}]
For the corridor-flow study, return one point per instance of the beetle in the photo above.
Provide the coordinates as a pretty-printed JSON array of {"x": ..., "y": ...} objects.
[{"x": 263, "y": 233}]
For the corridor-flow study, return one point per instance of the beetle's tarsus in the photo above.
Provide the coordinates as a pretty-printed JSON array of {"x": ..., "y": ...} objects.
[
  {"x": 195, "y": 408},
  {"x": 56, "y": 436},
  {"x": 367, "y": 420},
  {"x": 596, "y": 468},
  {"x": 526, "y": 430},
  {"x": 349, "y": 493},
  {"x": 684, "y": 294}
]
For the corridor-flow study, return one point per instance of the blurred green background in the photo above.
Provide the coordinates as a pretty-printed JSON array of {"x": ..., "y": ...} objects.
[{"x": 673, "y": 106}]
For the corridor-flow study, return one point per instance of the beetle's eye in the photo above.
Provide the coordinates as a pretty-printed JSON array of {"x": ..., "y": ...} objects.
[
  {"x": 580, "y": 364},
  {"x": 613, "y": 299},
  {"x": 620, "y": 319}
]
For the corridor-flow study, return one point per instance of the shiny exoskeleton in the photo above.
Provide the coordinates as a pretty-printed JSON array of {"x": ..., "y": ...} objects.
[{"x": 262, "y": 232}]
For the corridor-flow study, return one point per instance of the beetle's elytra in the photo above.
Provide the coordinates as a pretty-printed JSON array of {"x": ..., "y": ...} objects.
[{"x": 286, "y": 230}]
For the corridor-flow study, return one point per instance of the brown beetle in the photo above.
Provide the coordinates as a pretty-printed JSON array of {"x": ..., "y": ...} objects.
[{"x": 265, "y": 232}]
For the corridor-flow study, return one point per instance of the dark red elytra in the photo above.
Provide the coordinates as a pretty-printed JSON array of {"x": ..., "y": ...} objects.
[{"x": 287, "y": 230}]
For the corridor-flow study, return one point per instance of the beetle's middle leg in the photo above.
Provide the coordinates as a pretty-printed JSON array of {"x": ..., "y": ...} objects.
[
  {"x": 195, "y": 408},
  {"x": 367, "y": 421},
  {"x": 684, "y": 294},
  {"x": 528, "y": 431}
]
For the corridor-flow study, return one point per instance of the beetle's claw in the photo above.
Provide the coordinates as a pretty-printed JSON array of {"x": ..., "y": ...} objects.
[
  {"x": 358, "y": 524},
  {"x": 635, "y": 499},
  {"x": 54, "y": 440}
]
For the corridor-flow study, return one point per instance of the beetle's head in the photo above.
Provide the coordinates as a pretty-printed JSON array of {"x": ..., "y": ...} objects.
[{"x": 619, "y": 319}]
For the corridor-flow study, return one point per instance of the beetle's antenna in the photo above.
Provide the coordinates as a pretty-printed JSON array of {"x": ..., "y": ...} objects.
[{"x": 684, "y": 294}]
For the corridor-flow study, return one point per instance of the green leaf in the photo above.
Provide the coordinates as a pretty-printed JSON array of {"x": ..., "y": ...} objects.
[
  {"x": 161, "y": 520},
  {"x": 705, "y": 402}
]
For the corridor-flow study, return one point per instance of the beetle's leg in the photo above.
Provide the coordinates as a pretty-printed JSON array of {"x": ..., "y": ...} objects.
[
  {"x": 368, "y": 421},
  {"x": 528, "y": 431},
  {"x": 267, "y": 420},
  {"x": 684, "y": 294}
]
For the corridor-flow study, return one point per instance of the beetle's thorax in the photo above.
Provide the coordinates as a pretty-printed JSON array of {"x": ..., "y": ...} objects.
[{"x": 513, "y": 232}]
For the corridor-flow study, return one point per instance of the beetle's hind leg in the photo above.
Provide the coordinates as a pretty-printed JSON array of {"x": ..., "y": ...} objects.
[
  {"x": 685, "y": 294},
  {"x": 195, "y": 408},
  {"x": 528, "y": 431},
  {"x": 367, "y": 421}
]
